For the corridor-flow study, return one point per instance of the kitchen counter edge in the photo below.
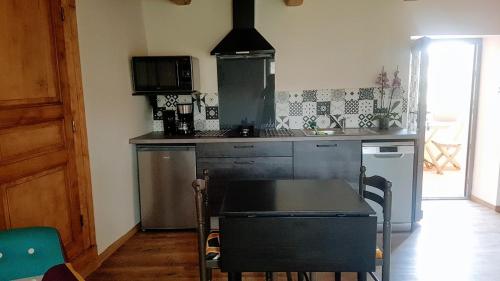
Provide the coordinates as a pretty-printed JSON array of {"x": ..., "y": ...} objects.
[{"x": 160, "y": 138}]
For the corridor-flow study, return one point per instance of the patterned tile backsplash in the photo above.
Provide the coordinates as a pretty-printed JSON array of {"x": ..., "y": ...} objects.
[{"x": 296, "y": 109}]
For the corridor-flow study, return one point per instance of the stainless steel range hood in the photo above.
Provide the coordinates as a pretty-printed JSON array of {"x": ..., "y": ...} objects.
[{"x": 243, "y": 39}]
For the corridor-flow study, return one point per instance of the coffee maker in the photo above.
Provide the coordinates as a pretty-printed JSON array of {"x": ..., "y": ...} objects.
[{"x": 185, "y": 123}]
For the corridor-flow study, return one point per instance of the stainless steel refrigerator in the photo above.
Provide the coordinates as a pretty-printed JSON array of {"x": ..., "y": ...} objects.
[{"x": 166, "y": 194}]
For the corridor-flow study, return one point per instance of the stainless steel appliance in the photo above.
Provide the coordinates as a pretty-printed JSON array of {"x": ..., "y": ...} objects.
[
  {"x": 167, "y": 74},
  {"x": 166, "y": 195},
  {"x": 185, "y": 124},
  {"x": 393, "y": 161}
]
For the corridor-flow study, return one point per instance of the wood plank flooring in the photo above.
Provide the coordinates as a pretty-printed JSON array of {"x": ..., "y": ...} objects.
[{"x": 457, "y": 240}]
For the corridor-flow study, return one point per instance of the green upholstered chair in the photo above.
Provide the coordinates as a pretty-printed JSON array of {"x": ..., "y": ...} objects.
[{"x": 27, "y": 252}]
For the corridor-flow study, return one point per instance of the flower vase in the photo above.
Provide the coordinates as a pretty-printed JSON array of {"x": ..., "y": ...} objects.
[{"x": 383, "y": 123}]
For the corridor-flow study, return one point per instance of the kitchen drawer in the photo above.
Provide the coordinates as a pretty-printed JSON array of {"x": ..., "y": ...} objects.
[
  {"x": 244, "y": 149},
  {"x": 253, "y": 168},
  {"x": 327, "y": 160}
]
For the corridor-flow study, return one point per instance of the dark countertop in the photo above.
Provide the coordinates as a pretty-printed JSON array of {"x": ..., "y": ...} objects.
[{"x": 350, "y": 134}]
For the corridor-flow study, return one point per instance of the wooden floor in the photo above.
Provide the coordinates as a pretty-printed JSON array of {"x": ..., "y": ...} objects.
[{"x": 457, "y": 240}]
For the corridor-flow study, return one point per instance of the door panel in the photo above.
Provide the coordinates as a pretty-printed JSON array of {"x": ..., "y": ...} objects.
[
  {"x": 24, "y": 140},
  {"x": 39, "y": 181},
  {"x": 28, "y": 51}
]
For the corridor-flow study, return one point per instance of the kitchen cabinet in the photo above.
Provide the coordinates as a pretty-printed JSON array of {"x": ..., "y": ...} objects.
[
  {"x": 242, "y": 161},
  {"x": 327, "y": 160}
]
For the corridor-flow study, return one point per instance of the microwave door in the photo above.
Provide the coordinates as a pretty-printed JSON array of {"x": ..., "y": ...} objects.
[{"x": 167, "y": 73}]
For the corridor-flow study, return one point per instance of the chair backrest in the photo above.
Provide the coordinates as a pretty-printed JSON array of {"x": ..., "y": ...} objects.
[
  {"x": 201, "y": 198},
  {"x": 385, "y": 201},
  {"x": 27, "y": 252}
]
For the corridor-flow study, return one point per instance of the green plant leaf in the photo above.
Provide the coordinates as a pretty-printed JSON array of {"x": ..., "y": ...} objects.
[{"x": 395, "y": 104}]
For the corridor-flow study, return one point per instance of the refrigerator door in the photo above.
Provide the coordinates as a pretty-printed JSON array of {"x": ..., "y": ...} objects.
[{"x": 166, "y": 195}]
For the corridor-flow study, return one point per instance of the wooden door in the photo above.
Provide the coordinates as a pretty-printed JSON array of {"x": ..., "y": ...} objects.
[{"x": 40, "y": 132}]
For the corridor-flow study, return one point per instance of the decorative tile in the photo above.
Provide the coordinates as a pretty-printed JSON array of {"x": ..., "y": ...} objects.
[
  {"x": 212, "y": 99},
  {"x": 158, "y": 113},
  {"x": 309, "y": 108},
  {"x": 170, "y": 101},
  {"x": 308, "y": 120},
  {"x": 282, "y": 122},
  {"x": 199, "y": 125},
  {"x": 184, "y": 99},
  {"x": 282, "y": 109},
  {"x": 404, "y": 106},
  {"x": 282, "y": 97},
  {"x": 295, "y": 96},
  {"x": 296, "y": 109},
  {"x": 351, "y": 120},
  {"x": 397, "y": 122},
  {"x": 337, "y": 107},
  {"x": 351, "y": 106},
  {"x": 309, "y": 95},
  {"x": 366, "y": 94},
  {"x": 335, "y": 120},
  {"x": 323, "y": 122},
  {"x": 323, "y": 108},
  {"x": 366, "y": 121},
  {"x": 212, "y": 125},
  {"x": 365, "y": 106},
  {"x": 157, "y": 125},
  {"x": 351, "y": 94},
  {"x": 199, "y": 114},
  {"x": 212, "y": 112},
  {"x": 338, "y": 95},
  {"x": 161, "y": 101},
  {"x": 296, "y": 122},
  {"x": 324, "y": 95}
]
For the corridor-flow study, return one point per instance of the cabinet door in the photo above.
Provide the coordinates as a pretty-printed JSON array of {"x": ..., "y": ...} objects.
[
  {"x": 41, "y": 178},
  {"x": 240, "y": 168},
  {"x": 327, "y": 160}
]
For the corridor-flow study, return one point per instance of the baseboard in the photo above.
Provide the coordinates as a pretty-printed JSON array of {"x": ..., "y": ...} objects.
[
  {"x": 88, "y": 266},
  {"x": 484, "y": 203}
]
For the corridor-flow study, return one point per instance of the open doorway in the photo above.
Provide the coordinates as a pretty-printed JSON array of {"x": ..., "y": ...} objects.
[{"x": 451, "y": 91}]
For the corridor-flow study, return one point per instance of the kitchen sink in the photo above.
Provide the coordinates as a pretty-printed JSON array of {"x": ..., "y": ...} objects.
[
  {"x": 319, "y": 133},
  {"x": 336, "y": 132}
]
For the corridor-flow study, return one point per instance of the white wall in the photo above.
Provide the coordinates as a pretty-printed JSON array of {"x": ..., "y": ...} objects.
[
  {"x": 323, "y": 43},
  {"x": 486, "y": 185},
  {"x": 110, "y": 32}
]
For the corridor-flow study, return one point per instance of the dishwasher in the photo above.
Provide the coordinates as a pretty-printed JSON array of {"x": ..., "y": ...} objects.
[
  {"x": 393, "y": 161},
  {"x": 166, "y": 194}
]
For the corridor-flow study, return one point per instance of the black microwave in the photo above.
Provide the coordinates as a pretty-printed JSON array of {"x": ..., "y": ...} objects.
[{"x": 166, "y": 74}]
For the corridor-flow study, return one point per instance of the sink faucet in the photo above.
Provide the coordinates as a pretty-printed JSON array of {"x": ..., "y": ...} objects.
[{"x": 341, "y": 123}]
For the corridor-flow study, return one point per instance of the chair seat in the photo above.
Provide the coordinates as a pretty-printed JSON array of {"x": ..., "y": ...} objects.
[
  {"x": 379, "y": 254},
  {"x": 212, "y": 247}
]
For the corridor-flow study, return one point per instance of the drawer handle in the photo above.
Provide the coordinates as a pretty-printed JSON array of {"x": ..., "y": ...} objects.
[
  {"x": 244, "y": 162},
  {"x": 243, "y": 146},
  {"x": 326, "y": 145}
]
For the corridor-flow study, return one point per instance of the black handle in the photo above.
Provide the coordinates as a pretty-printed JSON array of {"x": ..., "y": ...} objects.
[
  {"x": 243, "y": 146},
  {"x": 326, "y": 145},
  {"x": 244, "y": 162}
]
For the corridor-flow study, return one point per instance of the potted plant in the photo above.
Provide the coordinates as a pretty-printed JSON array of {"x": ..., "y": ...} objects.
[{"x": 386, "y": 112}]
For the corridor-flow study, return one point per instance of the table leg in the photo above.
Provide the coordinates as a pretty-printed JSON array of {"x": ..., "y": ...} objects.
[
  {"x": 300, "y": 276},
  {"x": 234, "y": 276},
  {"x": 269, "y": 276},
  {"x": 361, "y": 276}
]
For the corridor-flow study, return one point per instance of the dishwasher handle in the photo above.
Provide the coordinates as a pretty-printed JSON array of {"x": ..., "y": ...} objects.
[{"x": 388, "y": 155}]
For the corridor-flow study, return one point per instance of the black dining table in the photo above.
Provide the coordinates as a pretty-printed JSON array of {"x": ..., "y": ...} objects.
[{"x": 296, "y": 226}]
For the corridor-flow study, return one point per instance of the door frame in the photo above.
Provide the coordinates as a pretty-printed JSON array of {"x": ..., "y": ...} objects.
[{"x": 472, "y": 124}]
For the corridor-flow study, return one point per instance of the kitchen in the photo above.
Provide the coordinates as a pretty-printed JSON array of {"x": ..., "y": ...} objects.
[{"x": 311, "y": 117}]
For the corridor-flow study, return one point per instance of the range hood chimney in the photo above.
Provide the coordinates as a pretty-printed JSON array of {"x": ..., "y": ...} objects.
[{"x": 243, "y": 39}]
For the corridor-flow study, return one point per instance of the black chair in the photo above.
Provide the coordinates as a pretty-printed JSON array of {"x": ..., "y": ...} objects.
[
  {"x": 383, "y": 255},
  {"x": 208, "y": 240}
]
